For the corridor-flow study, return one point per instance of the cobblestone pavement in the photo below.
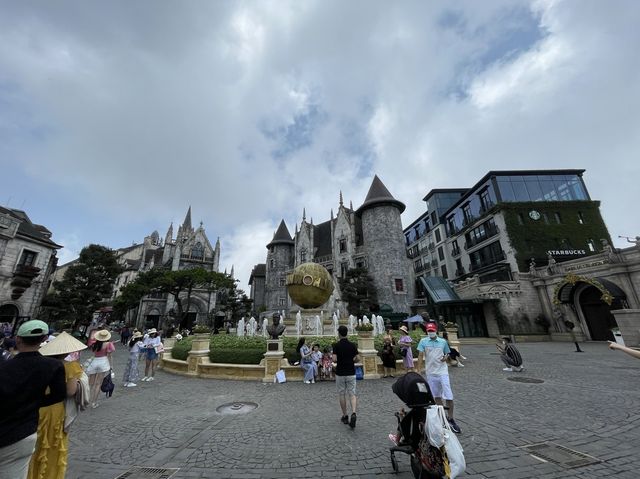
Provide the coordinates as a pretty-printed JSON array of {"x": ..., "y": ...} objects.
[{"x": 588, "y": 402}]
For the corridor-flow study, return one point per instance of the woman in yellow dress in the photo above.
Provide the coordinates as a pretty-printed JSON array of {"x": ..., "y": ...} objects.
[{"x": 49, "y": 460}]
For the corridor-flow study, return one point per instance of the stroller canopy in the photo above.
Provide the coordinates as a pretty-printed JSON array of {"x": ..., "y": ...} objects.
[{"x": 413, "y": 390}]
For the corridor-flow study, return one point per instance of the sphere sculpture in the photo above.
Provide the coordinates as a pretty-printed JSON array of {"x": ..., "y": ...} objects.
[{"x": 309, "y": 285}]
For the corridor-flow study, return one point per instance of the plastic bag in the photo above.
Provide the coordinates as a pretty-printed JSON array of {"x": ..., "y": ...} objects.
[
  {"x": 359, "y": 373},
  {"x": 280, "y": 376},
  {"x": 455, "y": 453},
  {"x": 436, "y": 420}
]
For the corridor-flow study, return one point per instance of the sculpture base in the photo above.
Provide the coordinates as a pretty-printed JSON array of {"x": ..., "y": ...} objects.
[{"x": 272, "y": 359}]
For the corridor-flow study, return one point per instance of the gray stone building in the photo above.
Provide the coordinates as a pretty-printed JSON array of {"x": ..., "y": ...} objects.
[
  {"x": 27, "y": 260},
  {"x": 189, "y": 249},
  {"x": 369, "y": 237}
]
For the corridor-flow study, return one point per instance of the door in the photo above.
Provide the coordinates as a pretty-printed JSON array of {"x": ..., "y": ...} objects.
[{"x": 597, "y": 315}]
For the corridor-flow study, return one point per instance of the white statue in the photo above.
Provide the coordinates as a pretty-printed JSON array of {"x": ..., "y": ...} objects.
[
  {"x": 318, "y": 326},
  {"x": 335, "y": 323},
  {"x": 282, "y": 317},
  {"x": 365, "y": 320},
  {"x": 375, "y": 325},
  {"x": 352, "y": 323},
  {"x": 265, "y": 323},
  {"x": 298, "y": 323},
  {"x": 252, "y": 327},
  {"x": 360, "y": 321},
  {"x": 380, "y": 321},
  {"x": 240, "y": 327}
]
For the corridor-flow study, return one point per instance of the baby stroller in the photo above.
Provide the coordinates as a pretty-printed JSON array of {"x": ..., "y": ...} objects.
[{"x": 426, "y": 461}]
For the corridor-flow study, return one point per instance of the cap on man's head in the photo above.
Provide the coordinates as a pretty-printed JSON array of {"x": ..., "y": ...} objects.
[
  {"x": 33, "y": 328},
  {"x": 432, "y": 327}
]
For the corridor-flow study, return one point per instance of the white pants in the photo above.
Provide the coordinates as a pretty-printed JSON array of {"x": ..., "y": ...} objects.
[{"x": 14, "y": 458}]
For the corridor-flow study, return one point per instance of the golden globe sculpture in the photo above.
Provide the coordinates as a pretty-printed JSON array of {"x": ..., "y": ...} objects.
[{"x": 309, "y": 285}]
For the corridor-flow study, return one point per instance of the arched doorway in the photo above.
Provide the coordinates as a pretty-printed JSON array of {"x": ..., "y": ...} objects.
[
  {"x": 597, "y": 314},
  {"x": 8, "y": 314},
  {"x": 592, "y": 299}
]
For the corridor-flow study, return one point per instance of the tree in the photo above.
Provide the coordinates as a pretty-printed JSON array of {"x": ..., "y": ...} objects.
[
  {"x": 180, "y": 284},
  {"x": 86, "y": 285},
  {"x": 237, "y": 302},
  {"x": 359, "y": 292}
]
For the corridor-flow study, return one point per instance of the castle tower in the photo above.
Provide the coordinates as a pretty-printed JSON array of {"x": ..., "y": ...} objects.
[
  {"x": 280, "y": 260},
  {"x": 384, "y": 242}
]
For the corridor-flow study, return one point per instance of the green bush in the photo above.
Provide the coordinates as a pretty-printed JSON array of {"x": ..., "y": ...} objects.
[
  {"x": 236, "y": 356},
  {"x": 181, "y": 349}
]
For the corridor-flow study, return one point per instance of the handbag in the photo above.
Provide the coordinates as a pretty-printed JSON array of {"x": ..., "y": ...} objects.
[
  {"x": 107, "y": 385},
  {"x": 403, "y": 352},
  {"x": 436, "y": 421},
  {"x": 159, "y": 349}
]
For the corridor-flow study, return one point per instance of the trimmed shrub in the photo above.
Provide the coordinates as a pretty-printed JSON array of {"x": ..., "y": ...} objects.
[{"x": 181, "y": 349}]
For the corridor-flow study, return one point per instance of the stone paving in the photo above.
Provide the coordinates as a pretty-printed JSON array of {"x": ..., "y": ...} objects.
[{"x": 588, "y": 402}]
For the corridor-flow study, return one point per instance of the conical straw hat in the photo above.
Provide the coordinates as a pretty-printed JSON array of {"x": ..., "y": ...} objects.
[{"x": 63, "y": 344}]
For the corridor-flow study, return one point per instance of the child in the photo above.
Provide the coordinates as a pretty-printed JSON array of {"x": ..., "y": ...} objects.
[
  {"x": 327, "y": 364},
  {"x": 131, "y": 373},
  {"x": 316, "y": 356}
]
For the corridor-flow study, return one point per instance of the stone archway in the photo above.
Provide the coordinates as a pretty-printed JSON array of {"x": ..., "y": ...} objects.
[
  {"x": 595, "y": 313},
  {"x": 9, "y": 313}
]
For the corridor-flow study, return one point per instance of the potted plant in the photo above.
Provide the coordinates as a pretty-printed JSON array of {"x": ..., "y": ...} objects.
[
  {"x": 201, "y": 329},
  {"x": 365, "y": 330}
]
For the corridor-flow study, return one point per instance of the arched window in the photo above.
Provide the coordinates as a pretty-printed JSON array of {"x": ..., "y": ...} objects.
[{"x": 197, "y": 252}]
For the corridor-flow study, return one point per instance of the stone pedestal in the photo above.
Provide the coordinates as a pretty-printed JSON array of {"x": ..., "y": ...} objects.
[
  {"x": 629, "y": 324},
  {"x": 199, "y": 352},
  {"x": 272, "y": 359},
  {"x": 168, "y": 344},
  {"x": 368, "y": 355},
  {"x": 454, "y": 342}
]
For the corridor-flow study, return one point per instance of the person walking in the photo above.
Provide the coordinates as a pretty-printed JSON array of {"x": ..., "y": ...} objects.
[
  {"x": 49, "y": 460},
  {"x": 406, "y": 352},
  {"x": 125, "y": 335},
  {"x": 28, "y": 382},
  {"x": 101, "y": 364},
  {"x": 388, "y": 357},
  {"x": 151, "y": 345},
  {"x": 570, "y": 325},
  {"x": 510, "y": 356},
  {"x": 306, "y": 361},
  {"x": 345, "y": 354},
  {"x": 433, "y": 353},
  {"x": 131, "y": 373}
]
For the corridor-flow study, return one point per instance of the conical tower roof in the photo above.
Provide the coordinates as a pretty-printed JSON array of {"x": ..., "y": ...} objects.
[
  {"x": 187, "y": 219},
  {"x": 379, "y": 195},
  {"x": 282, "y": 235}
]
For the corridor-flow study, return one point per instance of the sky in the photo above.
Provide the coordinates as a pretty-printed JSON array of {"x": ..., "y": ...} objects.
[{"x": 117, "y": 116}]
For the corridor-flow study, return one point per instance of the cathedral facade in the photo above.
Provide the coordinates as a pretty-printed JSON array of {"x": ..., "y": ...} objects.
[{"x": 369, "y": 237}]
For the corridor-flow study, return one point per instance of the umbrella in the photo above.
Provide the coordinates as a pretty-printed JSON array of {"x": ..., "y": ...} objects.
[{"x": 414, "y": 319}]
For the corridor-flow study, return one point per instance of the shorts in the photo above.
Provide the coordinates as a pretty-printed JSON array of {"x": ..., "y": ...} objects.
[
  {"x": 98, "y": 365},
  {"x": 346, "y": 385},
  {"x": 151, "y": 354},
  {"x": 440, "y": 387}
]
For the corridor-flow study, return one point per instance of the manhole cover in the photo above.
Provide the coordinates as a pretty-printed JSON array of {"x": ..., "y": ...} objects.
[
  {"x": 560, "y": 455},
  {"x": 520, "y": 379},
  {"x": 236, "y": 408},
  {"x": 147, "y": 473}
]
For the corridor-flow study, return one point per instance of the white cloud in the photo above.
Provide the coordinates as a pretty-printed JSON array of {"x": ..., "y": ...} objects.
[{"x": 251, "y": 111}]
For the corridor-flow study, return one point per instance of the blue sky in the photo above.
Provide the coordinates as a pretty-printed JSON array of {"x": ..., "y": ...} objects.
[{"x": 115, "y": 117}]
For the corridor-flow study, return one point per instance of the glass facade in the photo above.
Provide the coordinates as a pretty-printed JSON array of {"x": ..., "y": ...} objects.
[{"x": 515, "y": 188}]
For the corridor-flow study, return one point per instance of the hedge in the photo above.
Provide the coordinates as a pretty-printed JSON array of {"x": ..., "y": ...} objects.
[{"x": 225, "y": 348}]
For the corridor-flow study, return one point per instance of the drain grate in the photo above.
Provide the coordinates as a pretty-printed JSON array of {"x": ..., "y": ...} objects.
[
  {"x": 238, "y": 407},
  {"x": 147, "y": 473},
  {"x": 520, "y": 379},
  {"x": 560, "y": 455}
]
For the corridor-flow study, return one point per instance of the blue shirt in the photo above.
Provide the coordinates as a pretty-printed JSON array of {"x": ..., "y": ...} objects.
[{"x": 434, "y": 350}]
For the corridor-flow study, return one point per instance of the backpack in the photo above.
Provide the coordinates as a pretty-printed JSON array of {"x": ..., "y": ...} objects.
[{"x": 107, "y": 386}]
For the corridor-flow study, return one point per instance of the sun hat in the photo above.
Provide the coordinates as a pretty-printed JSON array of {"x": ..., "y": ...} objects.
[
  {"x": 136, "y": 335},
  {"x": 102, "y": 335},
  {"x": 152, "y": 331},
  {"x": 404, "y": 328},
  {"x": 33, "y": 329},
  {"x": 63, "y": 344},
  {"x": 432, "y": 327}
]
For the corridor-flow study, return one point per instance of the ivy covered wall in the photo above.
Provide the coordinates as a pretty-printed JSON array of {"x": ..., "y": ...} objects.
[{"x": 533, "y": 238}]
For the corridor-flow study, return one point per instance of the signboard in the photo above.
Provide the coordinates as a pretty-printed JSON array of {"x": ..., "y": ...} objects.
[{"x": 566, "y": 252}]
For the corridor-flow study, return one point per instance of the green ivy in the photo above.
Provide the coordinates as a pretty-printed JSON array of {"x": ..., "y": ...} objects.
[{"x": 534, "y": 238}]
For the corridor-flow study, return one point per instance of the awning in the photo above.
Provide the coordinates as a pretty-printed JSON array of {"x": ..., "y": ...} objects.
[{"x": 439, "y": 289}]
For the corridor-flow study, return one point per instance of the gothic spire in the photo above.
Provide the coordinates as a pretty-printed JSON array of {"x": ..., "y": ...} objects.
[
  {"x": 187, "y": 219},
  {"x": 304, "y": 214},
  {"x": 340, "y": 197},
  {"x": 169, "y": 237}
]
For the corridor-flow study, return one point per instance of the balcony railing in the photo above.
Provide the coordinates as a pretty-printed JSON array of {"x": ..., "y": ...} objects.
[
  {"x": 488, "y": 262},
  {"x": 490, "y": 233},
  {"x": 323, "y": 259},
  {"x": 419, "y": 268},
  {"x": 203, "y": 259}
]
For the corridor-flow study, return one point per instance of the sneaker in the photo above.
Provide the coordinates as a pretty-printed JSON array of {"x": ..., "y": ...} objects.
[
  {"x": 145, "y": 378},
  {"x": 345, "y": 419},
  {"x": 313, "y": 381},
  {"x": 307, "y": 382},
  {"x": 460, "y": 365},
  {"x": 94, "y": 405},
  {"x": 518, "y": 369},
  {"x": 151, "y": 378},
  {"x": 454, "y": 427},
  {"x": 504, "y": 369},
  {"x": 131, "y": 385},
  {"x": 352, "y": 421}
]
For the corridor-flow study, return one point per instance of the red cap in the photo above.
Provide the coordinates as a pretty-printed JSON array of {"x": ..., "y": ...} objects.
[{"x": 432, "y": 327}]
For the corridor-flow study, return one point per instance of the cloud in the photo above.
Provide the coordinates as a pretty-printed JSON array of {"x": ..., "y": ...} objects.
[{"x": 251, "y": 111}]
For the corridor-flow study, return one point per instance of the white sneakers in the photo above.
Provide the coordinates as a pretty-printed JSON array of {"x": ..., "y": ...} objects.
[
  {"x": 515, "y": 369},
  {"x": 150, "y": 378},
  {"x": 130, "y": 385}
]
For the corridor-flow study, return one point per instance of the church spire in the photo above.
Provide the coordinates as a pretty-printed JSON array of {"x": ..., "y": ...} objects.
[
  {"x": 187, "y": 220},
  {"x": 340, "y": 197},
  {"x": 304, "y": 214},
  {"x": 169, "y": 237},
  {"x": 231, "y": 274}
]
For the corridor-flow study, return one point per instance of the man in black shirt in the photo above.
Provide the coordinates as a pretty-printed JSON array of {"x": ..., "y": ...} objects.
[
  {"x": 28, "y": 382},
  {"x": 345, "y": 354}
]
